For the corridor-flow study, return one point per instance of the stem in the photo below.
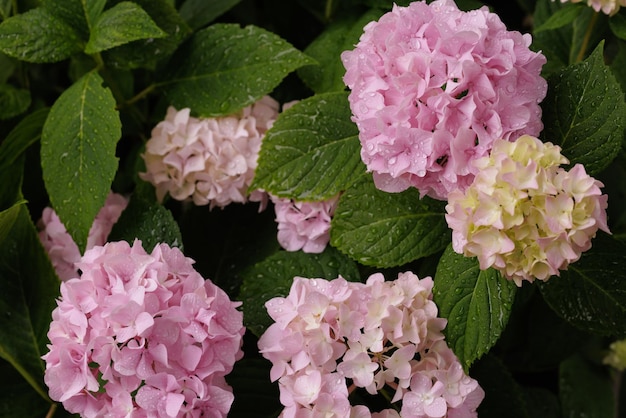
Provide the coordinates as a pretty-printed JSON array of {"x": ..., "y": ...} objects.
[
  {"x": 585, "y": 44},
  {"x": 51, "y": 411},
  {"x": 143, "y": 93},
  {"x": 328, "y": 10}
]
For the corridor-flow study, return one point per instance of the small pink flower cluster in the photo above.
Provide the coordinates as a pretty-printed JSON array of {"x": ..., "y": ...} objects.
[
  {"x": 609, "y": 7},
  {"x": 304, "y": 225},
  {"x": 58, "y": 243},
  {"x": 329, "y": 333},
  {"x": 211, "y": 160},
  {"x": 432, "y": 87},
  {"x": 523, "y": 214},
  {"x": 142, "y": 335}
]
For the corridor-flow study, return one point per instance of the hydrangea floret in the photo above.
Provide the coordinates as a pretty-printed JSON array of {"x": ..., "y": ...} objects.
[
  {"x": 142, "y": 335},
  {"x": 209, "y": 160},
  {"x": 609, "y": 7},
  {"x": 432, "y": 87},
  {"x": 524, "y": 214},
  {"x": 58, "y": 243},
  {"x": 304, "y": 225},
  {"x": 333, "y": 336}
]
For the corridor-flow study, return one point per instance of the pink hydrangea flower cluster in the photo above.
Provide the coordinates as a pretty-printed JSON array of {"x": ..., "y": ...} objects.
[
  {"x": 304, "y": 225},
  {"x": 432, "y": 87},
  {"x": 211, "y": 160},
  {"x": 523, "y": 214},
  {"x": 330, "y": 337},
  {"x": 142, "y": 335},
  {"x": 609, "y": 7},
  {"x": 58, "y": 243}
]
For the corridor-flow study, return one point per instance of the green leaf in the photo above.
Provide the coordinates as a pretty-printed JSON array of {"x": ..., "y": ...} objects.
[
  {"x": 38, "y": 36},
  {"x": 79, "y": 14},
  {"x": 5, "y": 9},
  {"x": 13, "y": 101},
  {"x": 146, "y": 53},
  {"x": 25, "y": 133},
  {"x": 123, "y": 23},
  {"x": 560, "y": 18},
  {"x": 7, "y": 67},
  {"x": 541, "y": 403},
  {"x": 477, "y": 304},
  {"x": 504, "y": 397},
  {"x": 199, "y": 13},
  {"x": 554, "y": 44},
  {"x": 617, "y": 23},
  {"x": 17, "y": 397},
  {"x": 273, "y": 277},
  {"x": 585, "y": 389},
  {"x": 387, "y": 229},
  {"x": 591, "y": 293},
  {"x": 618, "y": 65},
  {"x": 590, "y": 29},
  {"x": 326, "y": 49},
  {"x": 312, "y": 150},
  {"x": 147, "y": 221},
  {"x": 224, "y": 68},
  {"x": 29, "y": 287},
  {"x": 584, "y": 112},
  {"x": 78, "y": 153}
]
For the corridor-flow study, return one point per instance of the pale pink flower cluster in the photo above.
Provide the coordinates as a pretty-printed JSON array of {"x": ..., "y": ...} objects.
[
  {"x": 58, "y": 243},
  {"x": 432, "y": 87},
  {"x": 304, "y": 225},
  {"x": 330, "y": 337},
  {"x": 609, "y": 7},
  {"x": 210, "y": 160},
  {"x": 523, "y": 214},
  {"x": 142, "y": 335}
]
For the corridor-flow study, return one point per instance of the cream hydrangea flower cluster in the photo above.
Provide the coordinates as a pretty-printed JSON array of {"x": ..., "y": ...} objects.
[
  {"x": 609, "y": 7},
  {"x": 433, "y": 86},
  {"x": 330, "y": 337},
  {"x": 58, "y": 243},
  {"x": 142, "y": 335},
  {"x": 523, "y": 214},
  {"x": 210, "y": 160}
]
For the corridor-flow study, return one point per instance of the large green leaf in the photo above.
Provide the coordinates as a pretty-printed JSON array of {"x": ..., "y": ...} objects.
[
  {"x": 13, "y": 101},
  {"x": 555, "y": 44},
  {"x": 585, "y": 389},
  {"x": 199, "y": 13},
  {"x": 78, "y": 153},
  {"x": 477, "y": 304},
  {"x": 38, "y": 36},
  {"x": 17, "y": 397},
  {"x": 146, "y": 53},
  {"x": 564, "y": 16},
  {"x": 224, "y": 68},
  {"x": 79, "y": 14},
  {"x": 591, "y": 293},
  {"x": 29, "y": 287},
  {"x": 584, "y": 112},
  {"x": 273, "y": 277},
  {"x": 326, "y": 49},
  {"x": 123, "y": 23},
  {"x": 312, "y": 151},
  {"x": 387, "y": 229}
]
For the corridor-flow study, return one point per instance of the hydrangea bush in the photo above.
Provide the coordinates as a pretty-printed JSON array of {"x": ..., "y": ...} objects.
[{"x": 395, "y": 209}]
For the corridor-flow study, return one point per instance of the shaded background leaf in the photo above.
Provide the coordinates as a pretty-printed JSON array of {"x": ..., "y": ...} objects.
[
  {"x": 585, "y": 389},
  {"x": 383, "y": 229},
  {"x": 199, "y": 13},
  {"x": 591, "y": 293},
  {"x": 312, "y": 150},
  {"x": 13, "y": 101}
]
